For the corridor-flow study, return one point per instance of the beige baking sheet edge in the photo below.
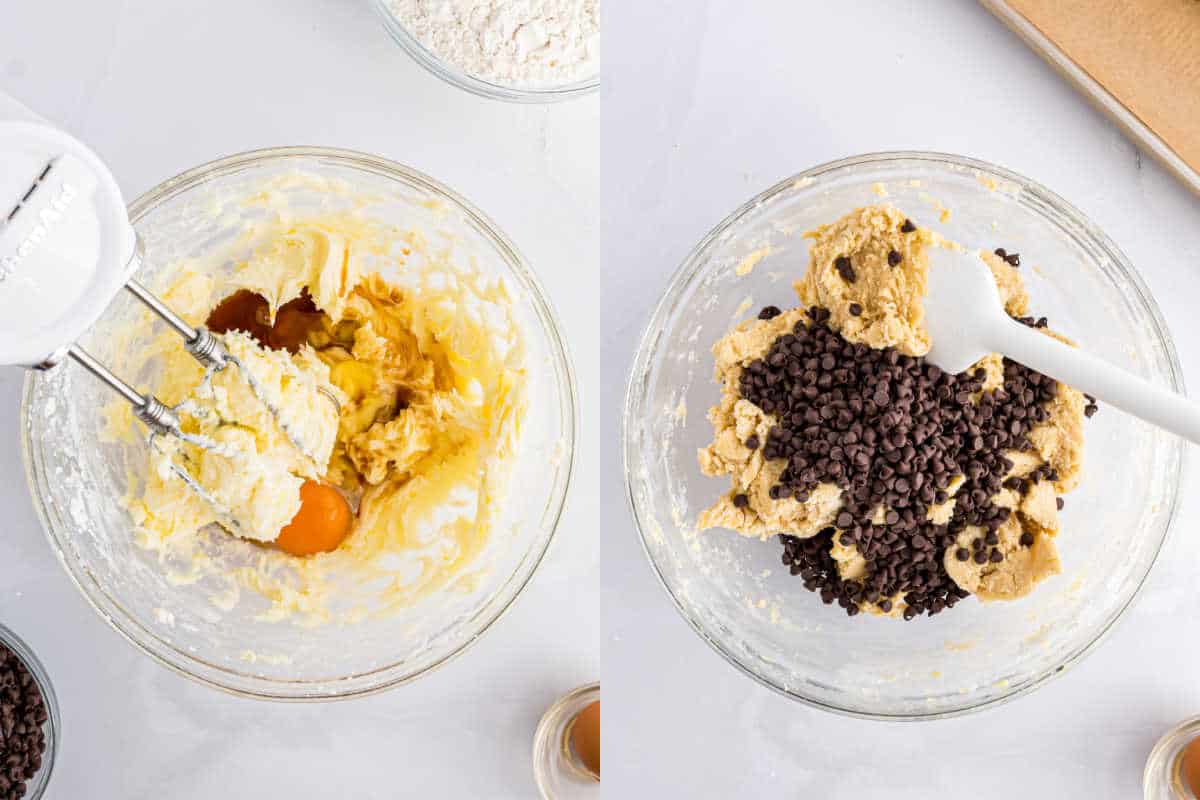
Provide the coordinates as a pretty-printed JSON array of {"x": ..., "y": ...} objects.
[{"x": 1097, "y": 94}]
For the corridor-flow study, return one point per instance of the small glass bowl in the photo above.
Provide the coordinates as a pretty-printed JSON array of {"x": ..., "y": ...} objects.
[
  {"x": 555, "y": 767},
  {"x": 77, "y": 477},
  {"x": 36, "y": 787},
  {"x": 473, "y": 84},
  {"x": 1161, "y": 779},
  {"x": 732, "y": 590}
]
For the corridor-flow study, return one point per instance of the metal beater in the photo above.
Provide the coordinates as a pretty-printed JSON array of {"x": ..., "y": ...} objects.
[{"x": 67, "y": 249}]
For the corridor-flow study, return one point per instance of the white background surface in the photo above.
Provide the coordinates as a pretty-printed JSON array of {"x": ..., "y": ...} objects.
[
  {"x": 156, "y": 87},
  {"x": 707, "y": 102}
]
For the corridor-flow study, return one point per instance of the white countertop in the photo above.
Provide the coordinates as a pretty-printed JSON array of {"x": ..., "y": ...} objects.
[
  {"x": 707, "y": 102},
  {"x": 156, "y": 88}
]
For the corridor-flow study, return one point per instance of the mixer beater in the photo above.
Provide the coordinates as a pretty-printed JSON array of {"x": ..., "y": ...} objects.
[{"x": 67, "y": 248}]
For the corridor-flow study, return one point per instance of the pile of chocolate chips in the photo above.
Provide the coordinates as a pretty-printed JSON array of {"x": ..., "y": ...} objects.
[
  {"x": 22, "y": 715},
  {"x": 891, "y": 431}
]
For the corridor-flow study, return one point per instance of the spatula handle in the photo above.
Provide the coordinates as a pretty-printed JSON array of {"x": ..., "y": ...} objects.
[{"x": 1095, "y": 376}]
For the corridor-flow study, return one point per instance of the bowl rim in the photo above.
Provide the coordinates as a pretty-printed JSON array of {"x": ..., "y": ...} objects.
[
  {"x": 1064, "y": 212},
  {"x": 471, "y": 83},
  {"x": 137, "y": 634},
  {"x": 36, "y": 787}
]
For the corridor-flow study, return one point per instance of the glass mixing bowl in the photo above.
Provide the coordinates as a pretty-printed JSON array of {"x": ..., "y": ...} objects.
[
  {"x": 734, "y": 591},
  {"x": 76, "y": 479},
  {"x": 474, "y": 84},
  {"x": 36, "y": 786}
]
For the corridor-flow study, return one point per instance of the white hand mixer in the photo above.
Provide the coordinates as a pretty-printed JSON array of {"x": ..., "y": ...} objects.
[{"x": 67, "y": 248}]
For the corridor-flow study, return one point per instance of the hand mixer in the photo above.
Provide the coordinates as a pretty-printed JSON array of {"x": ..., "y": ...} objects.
[{"x": 67, "y": 248}]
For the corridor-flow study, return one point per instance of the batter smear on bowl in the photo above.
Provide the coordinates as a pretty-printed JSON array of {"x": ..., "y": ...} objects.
[{"x": 895, "y": 488}]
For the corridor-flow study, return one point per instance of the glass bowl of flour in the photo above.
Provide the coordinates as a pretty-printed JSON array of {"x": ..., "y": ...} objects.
[
  {"x": 539, "y": 52},
  {"x": 735, "y": 592},
  {"x": 203, "y": 611}
]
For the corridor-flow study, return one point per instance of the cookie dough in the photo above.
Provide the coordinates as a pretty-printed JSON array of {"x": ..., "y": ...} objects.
[
  {"x": 1022, "y": 568},
  {"x": 889, "y": 296},
  {"x": 868, "y": 270}
]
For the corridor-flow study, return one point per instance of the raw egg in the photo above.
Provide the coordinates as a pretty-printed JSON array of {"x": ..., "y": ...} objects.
[
  {"x": 321, "y": 524},
  {"x": 585, "y": 738},
  {"x": 1189, "y": 766}
]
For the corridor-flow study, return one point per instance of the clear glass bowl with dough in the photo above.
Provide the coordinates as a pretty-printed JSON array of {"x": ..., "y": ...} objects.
[
  {"x": 77, "y": 481},
  {"x": 482, "y": 87},
  {"x": 735, "y": 592}
]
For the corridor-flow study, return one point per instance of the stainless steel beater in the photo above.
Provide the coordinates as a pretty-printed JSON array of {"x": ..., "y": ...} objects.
[{"x": 67, "y": 248}]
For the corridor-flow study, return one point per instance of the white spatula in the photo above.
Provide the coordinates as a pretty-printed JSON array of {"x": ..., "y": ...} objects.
[{"x": 966, "y": 321}]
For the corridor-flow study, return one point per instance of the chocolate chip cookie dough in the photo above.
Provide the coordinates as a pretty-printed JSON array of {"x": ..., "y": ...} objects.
[{"x": 896, "y": 488}]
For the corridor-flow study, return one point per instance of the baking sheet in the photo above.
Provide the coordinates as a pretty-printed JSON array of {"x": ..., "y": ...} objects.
[{"x": 1137, "y": 62}]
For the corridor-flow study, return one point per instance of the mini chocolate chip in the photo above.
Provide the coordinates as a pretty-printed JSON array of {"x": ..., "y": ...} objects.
[
  {"x": 844, "y": 268},
  {"x": 1090, "y": 410},
  {"x": 962, "y": 554},
  {"x": 996, "y": 557},
  {"x": 908, "y": 226},
  {"x": 753, "y": 442},
  {"x": 890, "y": 431},
  {"x": 894, "y": 258},
  {"x": 741, "y": 501},
  {"x": 1000, "y": 251},
  {"x": 855, "y": 309},
  {"x": 22, "y": 717},
  {"x": 770, "y": 312},
  {"x": 1059, "y": 503},
  {"x": 1026, "y": 539}
]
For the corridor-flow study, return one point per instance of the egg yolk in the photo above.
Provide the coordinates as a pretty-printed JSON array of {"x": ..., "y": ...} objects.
[
  {"x": 585, "y": 737},
  {"x": 1189, "y": 766},
  {"x": 321, "y": 524}
]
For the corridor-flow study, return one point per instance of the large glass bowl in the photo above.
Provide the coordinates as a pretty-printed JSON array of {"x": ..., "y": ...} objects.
[
  {"x": 76, "y": 480},
  {"x": 734, "y": 591},
  {"x": 474, "y": 84},
  {"x": 36, "y": 786}
]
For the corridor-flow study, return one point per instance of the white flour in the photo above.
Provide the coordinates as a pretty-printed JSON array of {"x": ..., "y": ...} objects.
[{"x": 532, "y": 43}]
